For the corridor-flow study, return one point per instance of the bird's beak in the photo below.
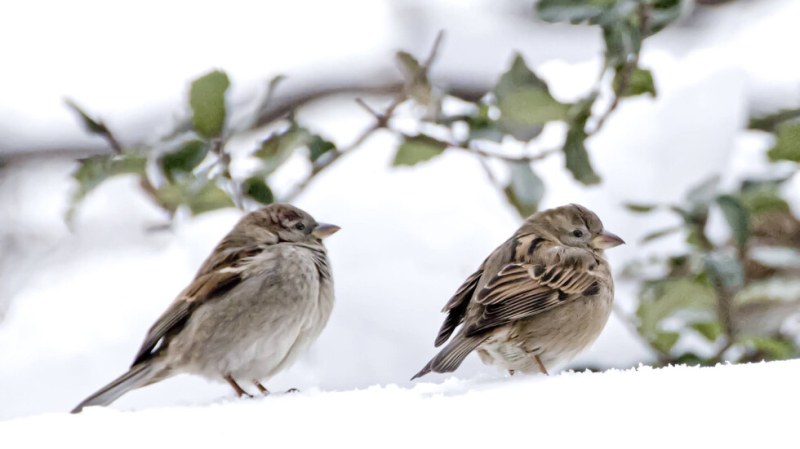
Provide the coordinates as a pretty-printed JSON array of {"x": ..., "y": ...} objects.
[
  {"x": 606, "y": 240},
  {"x": 323, "y": 230}
]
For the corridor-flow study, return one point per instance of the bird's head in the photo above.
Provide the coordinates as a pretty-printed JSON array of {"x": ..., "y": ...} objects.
[
  {"x": 571, "y": 225},
  {"x": 281, "y": 222}
]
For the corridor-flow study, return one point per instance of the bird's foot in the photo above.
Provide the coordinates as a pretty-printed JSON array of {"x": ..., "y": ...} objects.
[
  {"x": 293, "y": 390},
  {"x": 239, "y": 390},
  {"x": 261, "y": 388}
]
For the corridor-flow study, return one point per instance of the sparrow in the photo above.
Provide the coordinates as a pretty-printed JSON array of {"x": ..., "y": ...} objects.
[
  {"x": 538, "y": 300},
  {"x": 258, "y": 302}
]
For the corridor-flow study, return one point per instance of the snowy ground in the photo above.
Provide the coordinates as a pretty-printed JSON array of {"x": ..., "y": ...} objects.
[
  {"x": 82, "y": 300},
  {"x": 725, "y": 406}
]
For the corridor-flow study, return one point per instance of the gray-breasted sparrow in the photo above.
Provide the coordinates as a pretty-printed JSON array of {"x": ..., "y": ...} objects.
[
  {"x": 539, "y": 299},
  {"x": 260, "y": 299}
]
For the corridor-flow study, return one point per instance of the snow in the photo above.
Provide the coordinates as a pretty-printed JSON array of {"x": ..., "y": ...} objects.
[
  {"x": 742, "y": 406},
  {"x": 75, "y": 304}
]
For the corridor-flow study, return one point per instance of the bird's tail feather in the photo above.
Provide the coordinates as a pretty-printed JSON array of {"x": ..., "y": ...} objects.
[
  {"x": 138, "y": 376},
  {"x": 449, "y": 358}
]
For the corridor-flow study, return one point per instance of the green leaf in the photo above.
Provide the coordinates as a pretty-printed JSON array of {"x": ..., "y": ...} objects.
[
  {"x": 640, "y": 82},
  {"x": 417, "y": 84},
  {"x": 665, "y": 340},
  {"x": 482, "y": 127},
  {"x": 699, "y": 198},
  {"x": 91, "y": 125},
  {"x": 572, "y": 11},
  {"x": 763, "y": 196},
  {"x": 773, "y": 348},
  {"x": 207, "y": 100},
  {"x": 93, "y": 171},
  {"x": 737, "y": 218},
  {"x": 711, "y": 330},
  {"x": 317, "y": 146},
  {"x": 664, "y": 299},
  {"x": 525, "y": 102},
  {"x": 640, "y": 208},
  {"x": 414, "y": 150},
  {"x": 209, "y": 197},
  {"x": 771, "y": 121},
  {"x": 184, "y": 159},
  {"x": 256, "y": 188},
  {"x": 725, "y": 270},
  {"x": 623, "y": 40},
  {"x": 655, "y": 235},
  {"x": 279, "y": 146},
  {"x": 525, "y": 190},
  {"x": 577, "y": 158},
  {"x": 787, "y": 145}
]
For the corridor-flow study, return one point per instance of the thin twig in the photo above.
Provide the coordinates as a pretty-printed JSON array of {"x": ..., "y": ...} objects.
[
  {"x": 521, "y": 159},
  {"x": 381, "y": 122},
  {"x": 434, "y": 51}
]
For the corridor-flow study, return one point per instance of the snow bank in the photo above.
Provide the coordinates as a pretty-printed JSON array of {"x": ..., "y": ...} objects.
[{"x": 672, "y": 407}]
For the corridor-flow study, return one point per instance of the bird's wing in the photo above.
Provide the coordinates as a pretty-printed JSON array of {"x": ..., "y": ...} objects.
[
  {"x": 456, "y": 307},
  {"x": 207, "y": 285},
  {"x": 522, "y": 290}
]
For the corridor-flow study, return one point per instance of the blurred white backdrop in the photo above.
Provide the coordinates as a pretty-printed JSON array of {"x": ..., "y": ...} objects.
[{"x": 78, "y": 302}]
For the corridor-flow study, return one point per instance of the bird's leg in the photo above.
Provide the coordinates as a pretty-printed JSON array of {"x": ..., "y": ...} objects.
[
  {"x": 261, "y": 388},
  {"x": 239, "y": 391},
  {"x": 541, "y": 365}
]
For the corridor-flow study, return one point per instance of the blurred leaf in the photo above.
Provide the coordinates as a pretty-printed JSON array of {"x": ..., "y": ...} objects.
[
  {"x": 256, "y": 188},
  {"x": 482, "y": 127},
  {"x": 655, "y": 235},
  {"x": 91, "y": 125},
  {"x": 209, "y": 197},
  {"x": 207, "y": 100},
  {"x": 416, "y": 79},
  {"x": 184, "y": 159},
  {"x": 414, "y": 150},
  {"x": 665, "y": 340},
  {"x": 577, "y": 158},
  {"x": 737, "y": 218},
  {"x": 572, "y": 11},
  {"x": 317, "y": 146},
  {"x": 711, "y": 330},
  {"x": 525, "y": 190},
  {"x": 787, "y": 146},
  {"x": 771, "y": 121},
  {"x": 664, "y": 12},
  {"x": 691, "y": 359},
  {"x": 663, "y": 299},
  {"x": 640, "y": 208},
  {"x": 703, "y": 193},
  {"x": 725, "y": 270},
  {"x": 525, "y": 102},
  {"x": 762, "y": 196},
  {"x": 279, "y": 146},
  {"x": 640, "y": 82},
  {"x": 623, "y": 40},
  {"x": 773, "y": 348},
  {"x": 92, "y": 171}
]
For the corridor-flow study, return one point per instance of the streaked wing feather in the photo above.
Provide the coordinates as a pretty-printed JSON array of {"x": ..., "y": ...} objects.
[
  {"x": 202, "y": 289},
  {"x": 456, "y": 307},
  {"x": 520, "y": 291}
]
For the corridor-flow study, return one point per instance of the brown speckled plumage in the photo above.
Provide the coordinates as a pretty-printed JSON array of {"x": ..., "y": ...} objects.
[
  {"x": 257, "y": 302},
  {"x": 539, "y": 299}
]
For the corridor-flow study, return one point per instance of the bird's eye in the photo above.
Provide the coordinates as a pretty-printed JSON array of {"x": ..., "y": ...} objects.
[
  {"x": 300, "y": 226},
  {"x": 577, "y": 233}
]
